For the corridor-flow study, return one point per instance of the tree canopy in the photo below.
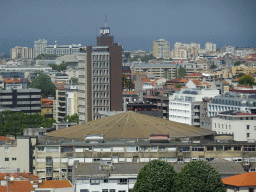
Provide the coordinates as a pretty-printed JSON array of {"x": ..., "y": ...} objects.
[
  {"x": 73, "y": 118},
  {"x": 74, "y": 81},
  {"x": 43, "y": 82},
  {"x": 181, "y": 72},
  {"x": 13, "y": 123},
  {"x": 156, "y": 176},
  {"x": 246, "y": 80},
  {"x": 62, "y": 66},
  {"x": 237, "y": 63},
  {"x": 213, "y": 66},
  {"x": 199, "y": 176}
]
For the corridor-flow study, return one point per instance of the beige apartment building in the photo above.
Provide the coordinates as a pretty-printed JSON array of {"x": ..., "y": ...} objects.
[
  {"x": 132, "y": 137},
  {"x": 161, "y": 49},
  {"x": 243, "y": 69}
]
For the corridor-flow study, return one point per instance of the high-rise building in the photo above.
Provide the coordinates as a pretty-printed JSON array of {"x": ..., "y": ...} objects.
[
  {"x": 22, "y": 53},
  {"x": 40, "y": 46},
  {"x": 210, "y": 47},
  {"x": 100, "y": 77},
  {"x": 161, "y": 49}
]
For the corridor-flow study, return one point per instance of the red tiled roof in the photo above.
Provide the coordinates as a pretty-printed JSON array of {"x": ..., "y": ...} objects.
[
  {"x": 225, "y": 82},
  {"x": 196, "y": 74},
  {"x": 12, "y": 80},
  {"x": 241, "y": 180},
  {"x": 184, "y": 80},
  {"x": 24, "y": 175},
  {"x": 130, "y": 92},
  {"x": 145, "y": 80},
  {"x": 196, "y": 82},
  {"x": 55, "y": 184},
  {"x": 17, "y": 186},
  {"x": 3, "y": 138}
]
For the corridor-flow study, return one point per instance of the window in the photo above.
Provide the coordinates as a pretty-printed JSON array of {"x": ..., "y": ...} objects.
[
  {"x": 219, "y": 148},
  {"x": 209, "y": 158},
  {"x": 123, "y": 181},
  {"x": 104, "y": 190},
  {"x": 6, "y": 159},
  {"x": 184, "y": 149},
  {"x": 14, "y": 158},
  {"x": 95, "y": 181},
  {"x": 153, "y": 149},
  {"x": 70, "y": 169},
  {"x": 196, "y": 148},
  {"x": 248, "y": 135},
  {"x": 248, "y": 127},
  {"x": 237, "y": 148},
  {"x": 162, "y": 149},
  {"x": 112, "y": 190},
  {"x": 64, "y": 170},
  {"x": 249, "y": 148},
  {"x": 227, "y": 148},
  {"x": 143, "y": 148},
  {"x": 105, "y": 180},
  {"x": 52, "y": 149},
  {"x": 209, "y": 148},
  {"x": 84, "y": 190}
]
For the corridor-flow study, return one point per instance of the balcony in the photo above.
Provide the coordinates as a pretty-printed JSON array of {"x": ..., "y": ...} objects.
[{"x": 49, "y": 174}]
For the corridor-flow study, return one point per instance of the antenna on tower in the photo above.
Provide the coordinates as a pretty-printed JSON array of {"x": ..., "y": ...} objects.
[{"x": 106, "y": 20}]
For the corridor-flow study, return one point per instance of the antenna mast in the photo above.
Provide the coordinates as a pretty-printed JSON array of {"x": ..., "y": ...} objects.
[{"x": 106, "y": 20}]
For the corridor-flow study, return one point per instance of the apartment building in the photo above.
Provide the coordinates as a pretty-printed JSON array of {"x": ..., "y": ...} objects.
[
  {"x": 25, "y": 100},
  {"x": 231, "y": 101},
  {"x": 15, "y": 154},
  {"x": 22, "y": 53},
  {"x": 158, "y": 70},
  {"x": 61, "y": 50},
  {"x": 241, "y": 125},
  {"x": 184, "y": 106},
  {"x": 66, "y": 102},
  {"x": 161, "y": 49},
  {"x": 131, "y": 137},
  {"x": 40, "y": 47},
  {"x": 236, "y": 70},
  {"x": 100, "y": 78},
  {"x": 210, "y": 47}
]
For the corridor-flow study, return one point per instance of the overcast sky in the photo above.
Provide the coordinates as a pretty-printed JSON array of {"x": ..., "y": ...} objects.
[{"x": 134, "y": 23}]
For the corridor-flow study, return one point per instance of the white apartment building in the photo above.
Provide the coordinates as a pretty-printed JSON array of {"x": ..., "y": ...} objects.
[
  {"x": 161, "y": 49},
  {"x": 184, "y": 106},
  {"x": 61, "y": 50},
  {"x": 232, "y": 101},
  {"x": 228, "y": 50},
  {"x": 22, "y": 53},
  {"x": 241, "y": 125},
  {"x": 40, "y": 46},
  {"x": 210, "y": 47}
]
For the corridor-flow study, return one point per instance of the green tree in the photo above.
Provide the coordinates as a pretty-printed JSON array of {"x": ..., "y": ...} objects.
[
  {"x": 146, "y": 58},
  {"x": 237, "y": 63},
  {"x": 62, "y": 66},
  {"x": 74, "y": 81},
  {"x": 198, "y": 176},
  {"x": 181, "y": 72},
  {"x": 13, "y": 123},
  {"x": 43, "y": 82},
  {"x": 213, "y": 66},
  {"x": 177, "y": 86},
  {"x": 73, "y": 118},
  {"x": 156, "y": 176},
  {"x": 246, "y": 80},
  {"x": 129, "y": 85}
]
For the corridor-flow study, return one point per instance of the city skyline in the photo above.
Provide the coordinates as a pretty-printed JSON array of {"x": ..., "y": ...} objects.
[{"x": 134, "y": 24}]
